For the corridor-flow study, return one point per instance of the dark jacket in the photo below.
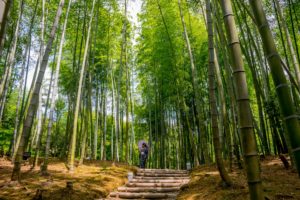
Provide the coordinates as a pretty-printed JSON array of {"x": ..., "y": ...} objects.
[{"x": 144, "y": 153}]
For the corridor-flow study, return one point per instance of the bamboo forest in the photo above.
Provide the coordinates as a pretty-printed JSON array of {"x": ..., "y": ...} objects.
[{"x": 149, "y": 99}]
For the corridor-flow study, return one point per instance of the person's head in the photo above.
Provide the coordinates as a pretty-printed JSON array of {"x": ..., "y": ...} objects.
[{"x": 144, "y": 145}]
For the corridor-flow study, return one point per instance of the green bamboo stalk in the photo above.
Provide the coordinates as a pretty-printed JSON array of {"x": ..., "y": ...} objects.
[
  {"x": 290, "y": 117},
  {"x": 212, "y": 95},
  {"x": 243, "y": 103}
]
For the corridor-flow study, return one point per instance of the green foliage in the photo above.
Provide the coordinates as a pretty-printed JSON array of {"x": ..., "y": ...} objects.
[
  {"x": 162, "y": 58},
  {"x": 8, "y": 120},
  {"x": 156, "y": 75}
]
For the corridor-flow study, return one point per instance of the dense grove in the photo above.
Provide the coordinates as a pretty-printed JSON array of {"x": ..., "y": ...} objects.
[{"x": 202, "y": 81}]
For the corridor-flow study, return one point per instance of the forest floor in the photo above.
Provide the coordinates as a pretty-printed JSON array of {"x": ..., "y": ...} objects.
[
  {"x": 92, "y": 180},
  {"x": 278, "y": 183}
]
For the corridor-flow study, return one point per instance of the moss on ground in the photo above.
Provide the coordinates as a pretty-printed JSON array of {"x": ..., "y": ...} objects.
[
  {"x": 92, "y": 180},
  {"x": 278, "y": 183}
]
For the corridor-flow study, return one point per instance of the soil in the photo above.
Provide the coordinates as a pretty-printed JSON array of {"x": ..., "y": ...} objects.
[
  {"x": 278, "y": 183},
  {"x": 92, "y": 180}
]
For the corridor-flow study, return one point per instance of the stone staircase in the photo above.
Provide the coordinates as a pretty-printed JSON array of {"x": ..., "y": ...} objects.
[{"x": 152, "y": 184}]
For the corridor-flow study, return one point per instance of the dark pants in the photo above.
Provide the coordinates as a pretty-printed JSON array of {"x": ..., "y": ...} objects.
[{"x": 143, "y": 162}]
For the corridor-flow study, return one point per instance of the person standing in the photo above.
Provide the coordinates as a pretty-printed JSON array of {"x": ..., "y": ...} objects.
[{"x": 143, "y": 156}]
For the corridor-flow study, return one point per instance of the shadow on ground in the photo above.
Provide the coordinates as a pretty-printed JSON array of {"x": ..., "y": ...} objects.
[
  {"x": 90, "y": 181},
  {"x": 278, "y": 183}
]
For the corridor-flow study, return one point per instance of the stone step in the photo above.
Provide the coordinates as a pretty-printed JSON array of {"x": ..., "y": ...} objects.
[
  {"x": 185, "y": 180},
  {"x": 153, "y": 184},
  {"x": 160, "y": 178},
  {"x": 163, "y": 171},
  {"x": 147, "y": 174},
  {"x": 167, "y": 173},
  {"x": 143, "y": 195},
  {"x": 118, "y": 198},
  {"x": 149, "y": 189}
]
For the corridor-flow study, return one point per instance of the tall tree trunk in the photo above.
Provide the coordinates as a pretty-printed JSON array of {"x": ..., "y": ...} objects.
[
  {"x": 17, "y": 112},
  {"x": 150, "y": 134},
  {"x": 194, "y": 79},
  {"x": 43, "y": 123},
  {"x": 132, "y": 136},
  {"x": 41, "y": 53},
  {"x": 290, "y": 117},
  {"x": 95, "y": 134},
  {"x": 23, "y": 79},
  {"x": 34, "y": 99},
  {"x": 234, "y": 145},
  {"x": 83, "y": 133},
  {"x": 54, "y": 92},
  {"x": 243, "y": 103},
  {"x": 225, "y": 129},
  {"x": 43, "y": 120},
  {"x": 123, "y": 49},
  {"x": 293, "y": 27},
  {"x": 259, "y": 91},
  {"x": 28, "y": 57},
  {"x": 71, "y": 156},
  {"x": 113, "y": 124},
  {"x": 103, "y": 144},
  {"x": 90, "y": 116},
  {"x": 289, "y": 42},
  {"x": 127, "y": 112},
  {"x": 212, "y": 96},
  {"x": 6, "y": 80},
  {"x": 4, "y": 12}
]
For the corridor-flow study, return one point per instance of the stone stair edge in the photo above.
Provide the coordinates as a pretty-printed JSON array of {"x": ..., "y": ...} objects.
[
  {"x": 152, "y": 184},
  {"x": 142, "y": 195}
]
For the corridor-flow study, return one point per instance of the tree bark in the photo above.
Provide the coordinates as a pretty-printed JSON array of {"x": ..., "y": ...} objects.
[
  {"x": 34, "y": 99},
  {"x": 212, "y": 96},
  {"x": 4, "y": 21},
  {"x": 194, "y": 79},
  {"x": 290, "y": 117},
  {"x": 6, "y": 80},
  {"x": 289, "y": 42},
  {"x": 259, "y": 88},
  {"x": 123, "y": 49},
  {"x": 243, "y": 103},
  {"x": 71, "y": 156},
  {"x": 103, "y": 144},
  {"x": 23, "y": 79},
  {"x": 54, "y": 92},
  {"x": 83, "y": 134}
]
